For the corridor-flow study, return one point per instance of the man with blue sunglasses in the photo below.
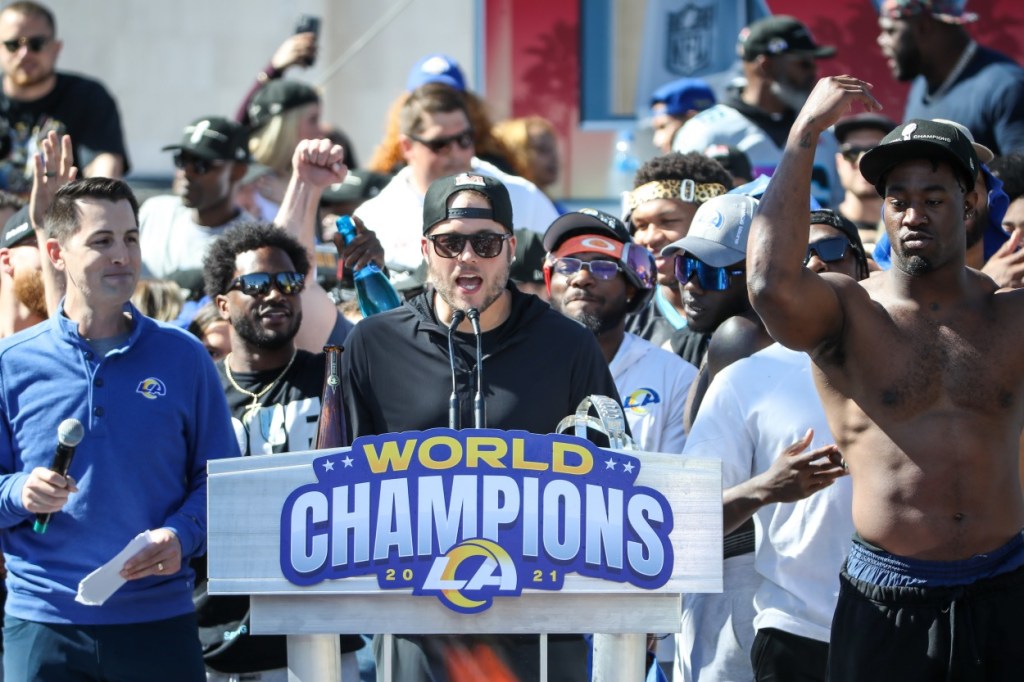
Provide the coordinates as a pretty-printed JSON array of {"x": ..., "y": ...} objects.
[{"x": 717, "y": 629}]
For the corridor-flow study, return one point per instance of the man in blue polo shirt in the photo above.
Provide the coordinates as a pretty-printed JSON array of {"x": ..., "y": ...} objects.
[{"x": 153, "y": 412}]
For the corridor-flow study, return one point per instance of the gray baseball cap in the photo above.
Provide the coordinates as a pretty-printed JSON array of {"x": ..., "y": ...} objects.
[{"x": 719, "y": 230}]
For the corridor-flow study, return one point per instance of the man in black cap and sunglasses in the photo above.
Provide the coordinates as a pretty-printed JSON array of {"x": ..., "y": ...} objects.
[
  {"x": 539, "y": 366},
  {"x": 922, "y": 379},
  {"x": 857, "y": 135},
  {"x": 36, "y": 99},
  {"x": 175, "y": 230}
]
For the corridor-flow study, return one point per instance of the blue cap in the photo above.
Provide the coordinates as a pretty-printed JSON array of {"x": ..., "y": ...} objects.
[
  {"x": 436, "y": 68},
  {"x": 683, "y": 95}
]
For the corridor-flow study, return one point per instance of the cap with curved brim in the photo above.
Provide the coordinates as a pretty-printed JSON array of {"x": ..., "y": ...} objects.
[
  {"x": 719, "y": 230},
  {"x": 584, "y": 221},
  {"x": 917, "y": 139}
]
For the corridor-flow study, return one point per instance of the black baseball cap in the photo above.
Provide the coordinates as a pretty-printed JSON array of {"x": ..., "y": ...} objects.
[
  {"x": 529, "y": 263},
  {"x": 585, "y": 221},
  {"x": 779, "y": 34},
  {"x": 277, "y": 97},
  {"x": 435, "y": 205},
  {"x": 17, "y": 230},
  {"x": 214, "y": 138},
  {"x": 920, "y": 138}
]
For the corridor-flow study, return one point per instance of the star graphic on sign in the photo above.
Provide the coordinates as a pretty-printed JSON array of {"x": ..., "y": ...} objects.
[
  {"x": 628, "y": 467},
  {"x": 610, "y": 464},
  {"x": 328, "y": 465},
  {"x": 347, "y": 461}
]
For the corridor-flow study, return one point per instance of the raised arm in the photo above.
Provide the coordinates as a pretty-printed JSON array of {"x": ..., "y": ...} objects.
[
  {"x": 54, "y": 168},
  {"x": 316, "y": 164},
  {"x": 799, "y": 308}
]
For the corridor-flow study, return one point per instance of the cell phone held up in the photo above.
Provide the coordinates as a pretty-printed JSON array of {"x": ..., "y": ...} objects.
[{"x": 308, "y": 23}]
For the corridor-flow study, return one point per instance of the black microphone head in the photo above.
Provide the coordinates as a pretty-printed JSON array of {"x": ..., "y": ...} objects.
[
  {"x": 457, "y": 317},
  {"x": 473, "y": 314},
  {"x": 70, "y": 433}
]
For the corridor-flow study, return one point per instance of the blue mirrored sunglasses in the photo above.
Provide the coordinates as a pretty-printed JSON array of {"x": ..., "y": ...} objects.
[{"x": 709, "y": 277}]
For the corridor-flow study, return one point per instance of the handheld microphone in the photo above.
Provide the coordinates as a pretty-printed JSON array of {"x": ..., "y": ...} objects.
[
  {"x": 479, "y": 416},
  {"x": 453, "y": 401},
  {"x": 69, "y": 435}
]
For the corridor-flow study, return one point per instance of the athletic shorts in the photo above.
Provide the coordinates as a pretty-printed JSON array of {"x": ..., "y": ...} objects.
[{"x": 901, "y": 619}]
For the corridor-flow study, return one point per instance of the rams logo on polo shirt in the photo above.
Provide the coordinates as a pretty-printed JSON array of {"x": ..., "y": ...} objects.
[{"x": 151, "y": 388}]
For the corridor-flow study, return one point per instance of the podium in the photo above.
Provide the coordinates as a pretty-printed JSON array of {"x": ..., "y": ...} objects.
[{"x": 465, "y": 532}]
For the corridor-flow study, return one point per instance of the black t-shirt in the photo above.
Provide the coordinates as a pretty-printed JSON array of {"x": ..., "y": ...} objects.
[
  {"x": 287, "y": 418},
  {"x": 286, "y": 421},
  {"x": 77, "y": 106}
]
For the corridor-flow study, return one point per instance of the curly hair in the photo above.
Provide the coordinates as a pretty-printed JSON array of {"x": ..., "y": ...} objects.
[
  {"x": 678, "y": 166},
  {"x": 219, "y": 263},
  {"x": 1010, "y": 169}
]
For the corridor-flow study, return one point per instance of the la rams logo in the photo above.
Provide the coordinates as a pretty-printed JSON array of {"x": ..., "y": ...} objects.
[
  {"x": 151, "y": 388},
  {"x": 486, "y": 570},
  {"x": 638, "y": 401}
]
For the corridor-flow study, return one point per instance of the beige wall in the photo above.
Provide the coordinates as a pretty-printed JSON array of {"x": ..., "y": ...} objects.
[{"x": 168, "y": 62}]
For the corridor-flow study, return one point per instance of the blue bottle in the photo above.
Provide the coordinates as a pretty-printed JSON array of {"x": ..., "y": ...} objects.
[{"x": 373, "y": 289}]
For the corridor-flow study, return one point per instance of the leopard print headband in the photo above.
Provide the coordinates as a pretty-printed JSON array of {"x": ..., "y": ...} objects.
[{"x": 684, "y": 190}]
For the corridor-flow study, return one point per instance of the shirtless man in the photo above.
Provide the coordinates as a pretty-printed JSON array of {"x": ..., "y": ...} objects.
[{"x": 921, "y": 378}]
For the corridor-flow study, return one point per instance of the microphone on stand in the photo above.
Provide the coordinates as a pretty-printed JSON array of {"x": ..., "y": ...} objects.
[
  {"x": 479, "y": 413},
  {"x": 453, "y": 401},
  {"x": 69, "y": 435}
]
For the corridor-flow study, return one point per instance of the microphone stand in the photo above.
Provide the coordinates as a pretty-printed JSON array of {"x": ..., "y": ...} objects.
[
  {"x": 453, "y": 400},
  {"x": 479, "y": 416}
]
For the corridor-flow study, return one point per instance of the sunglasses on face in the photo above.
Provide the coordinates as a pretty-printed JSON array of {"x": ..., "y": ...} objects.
[
  {"x": 440, "y": 144},
  {"x": 828, "y": 250},
  {"x": 197, "y": 165},
  {"x": 600, "y": 269},
  {"x": 452, "y": 244},
  {"x": 852, "y": 153},
  {"x": 709, "y": 277},
  {"x": 33, "y": 43},
  {"x": 259, "y": 283}
]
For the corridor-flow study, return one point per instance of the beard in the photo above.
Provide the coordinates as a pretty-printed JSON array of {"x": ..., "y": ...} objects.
[
  {"x": 251, "y": 332},
  {"x": 29, "y": 290},
  {"x": 446, "y": 288},
  {"x": 976, "y": 225},
  {"x": 792, "y": 97},
  {"x": 912, "y": 265}
]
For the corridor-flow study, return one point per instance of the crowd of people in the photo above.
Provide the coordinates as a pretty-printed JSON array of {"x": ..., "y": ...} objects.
[{"x": 814, "y": 293}]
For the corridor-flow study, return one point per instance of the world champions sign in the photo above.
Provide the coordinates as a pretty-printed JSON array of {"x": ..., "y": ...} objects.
[{"x": 467, "y": 516}]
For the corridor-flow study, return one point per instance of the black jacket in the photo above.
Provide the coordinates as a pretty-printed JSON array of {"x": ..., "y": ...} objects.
[{"x": 538, "y": 366}]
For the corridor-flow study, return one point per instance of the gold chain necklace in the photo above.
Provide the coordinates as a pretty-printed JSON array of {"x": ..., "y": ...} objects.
[{"x": 255, "y": 396}]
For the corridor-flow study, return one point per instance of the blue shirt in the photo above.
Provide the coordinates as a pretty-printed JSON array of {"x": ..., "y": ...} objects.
[{"x": 153, "y": 412}]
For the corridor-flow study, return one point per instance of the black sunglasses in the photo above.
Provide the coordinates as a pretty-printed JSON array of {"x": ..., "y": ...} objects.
[
  {"x": 259, "y": 283},
  {"x": 33, "y": 43},
  {"x": 828, "y": 250},
  {"x": 709, "y": 277},
  {"x": 452, "y": 244},
  {"x": 600, "y": 269},
  {"x": 198, "y": 166},
  {"x": 439, "y": 144},
  {"x": 852, "y": 153}
]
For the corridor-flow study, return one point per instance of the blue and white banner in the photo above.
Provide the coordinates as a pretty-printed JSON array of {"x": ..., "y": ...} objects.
[{"x": 468, "y": 516}]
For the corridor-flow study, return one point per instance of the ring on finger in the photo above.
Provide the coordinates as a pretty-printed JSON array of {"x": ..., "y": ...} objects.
[{"x": 50, "y": 174}]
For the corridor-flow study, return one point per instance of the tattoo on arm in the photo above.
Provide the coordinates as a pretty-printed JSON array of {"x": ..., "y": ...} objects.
[{"x": 805, "y": 141}]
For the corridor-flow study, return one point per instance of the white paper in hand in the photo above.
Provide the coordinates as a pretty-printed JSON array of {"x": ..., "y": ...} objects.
[{"x": 97, "y": 587}]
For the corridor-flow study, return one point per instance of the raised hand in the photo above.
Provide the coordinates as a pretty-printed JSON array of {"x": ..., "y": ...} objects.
[
  {"x": 833, "y": 97},
  {"x": 54, "y": 167},
  {"x": 319, "y": 163}
]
